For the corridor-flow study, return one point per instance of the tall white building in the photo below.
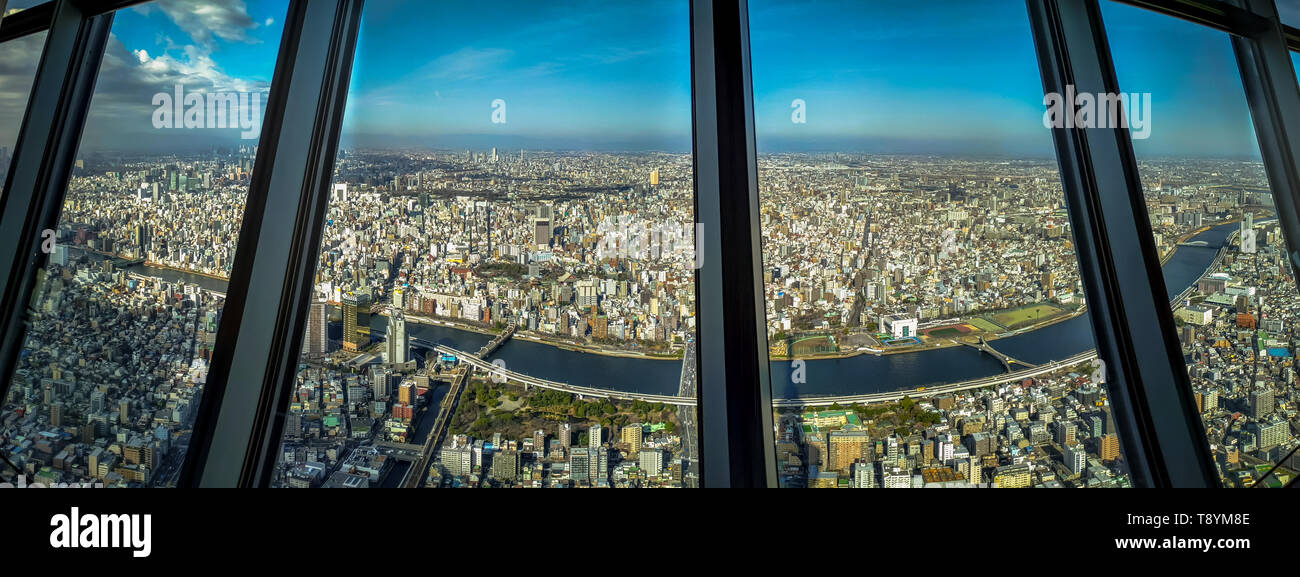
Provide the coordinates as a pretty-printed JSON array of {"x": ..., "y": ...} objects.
[
  {"x": 1247, "y": 233},
  {"x": 864, "y": 475},
  {"x": 898, "y": 479},
  {"x": 944, "y": 448},
  {"x": 587, "y": 295},
  {"x": 398, "y": 341},
  {"x": 652, "y": 462},
  {"x": 1076, "y": 458}
]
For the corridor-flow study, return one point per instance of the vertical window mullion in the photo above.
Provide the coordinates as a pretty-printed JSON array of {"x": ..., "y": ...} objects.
[
  {"x": 1269, "y": 79},
  {"x": 1163, "y": 437},
  {"x": 735, "y": 401},
  {"x": 260, "y": 335},
  {"x": 42, "y": 162}
]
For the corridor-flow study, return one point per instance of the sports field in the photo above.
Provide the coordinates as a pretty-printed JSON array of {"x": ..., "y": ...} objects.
[
  {"x": 985, "y": 325},
  {"x": 1027, "y": 315},
  {"x": 949, "y": 331}
]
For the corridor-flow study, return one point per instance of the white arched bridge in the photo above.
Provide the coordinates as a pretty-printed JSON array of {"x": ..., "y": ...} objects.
[{"x": 921, "y": 392}]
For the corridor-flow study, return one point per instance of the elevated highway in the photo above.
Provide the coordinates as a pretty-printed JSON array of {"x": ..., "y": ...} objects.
[
  {"x": 580, "y": 391},
  {"x": 920, "y": 392},
  {"x": 930, "y": 391}
]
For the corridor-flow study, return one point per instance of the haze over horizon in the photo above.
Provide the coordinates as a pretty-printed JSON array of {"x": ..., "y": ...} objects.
[{"x": 950, "y": 78}]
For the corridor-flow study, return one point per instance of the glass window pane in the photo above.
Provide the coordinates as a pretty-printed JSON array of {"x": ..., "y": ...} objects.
[
  {"x": 520, "y": 173},
  {"x": 1288, "y": 12},
  {"x": 18, "y": 59},
  {"x": 123, "y": 319},
  {"x": 1231, "y": 287},
  {"x": 925, "y": 313},
  {"x": 20, "y": 5}
]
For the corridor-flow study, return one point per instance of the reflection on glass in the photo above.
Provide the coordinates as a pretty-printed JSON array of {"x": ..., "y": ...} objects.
[
  {"x": 123, "y": 318},
  {"x": 1231, "y": 288},
  {"x": 925, "y": 314},
  {"x": 1288, "y": 12},
  {"x": 510, "y": 219},
  {"x": 18, "y": 59},
  {"x": 16, "y": 6}
]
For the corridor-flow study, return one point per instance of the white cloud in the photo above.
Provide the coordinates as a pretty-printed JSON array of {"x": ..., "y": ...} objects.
[{"x": 203, "y": 19}]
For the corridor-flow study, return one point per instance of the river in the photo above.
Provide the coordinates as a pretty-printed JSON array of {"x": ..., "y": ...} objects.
[{"x": 856, "y": 375}]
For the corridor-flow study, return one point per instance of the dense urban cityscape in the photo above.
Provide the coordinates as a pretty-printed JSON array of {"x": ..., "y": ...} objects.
[{"x": 864, "y": 256}]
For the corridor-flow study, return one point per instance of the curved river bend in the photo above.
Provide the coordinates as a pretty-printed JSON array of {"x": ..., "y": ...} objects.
[{"x": 827, "y": 377}]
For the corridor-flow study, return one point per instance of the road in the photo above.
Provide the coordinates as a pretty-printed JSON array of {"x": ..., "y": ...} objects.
[{"x": 686, "y": 415}]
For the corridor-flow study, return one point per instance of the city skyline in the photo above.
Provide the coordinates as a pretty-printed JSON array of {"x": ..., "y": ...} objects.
[{"x": 955, "y": 80}]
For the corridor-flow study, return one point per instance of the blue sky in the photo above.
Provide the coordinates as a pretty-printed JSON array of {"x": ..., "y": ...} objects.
[
  {"x": 1198, "y": 103},
  {"x": 244, "y": 42},
  {"x": 572, "y": 75},
  {"x": 962, "y": 78},
  {"x": 956, "y": 77},
  {"x": 907, "y": 77},
  {"x": 888, "y": 76},
  {"x": 200, "y": 45}
]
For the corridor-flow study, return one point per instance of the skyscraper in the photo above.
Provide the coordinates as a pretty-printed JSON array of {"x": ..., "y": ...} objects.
[
  {"x": 317, "y": 342},
  {"x": 398, "y": 341},
  {"x": 579, "y": 465},
  {"x": 1247, "y": 234},
  {"x": 631, "y": 435},
  {"x": 652, "y": 462},
  {"x": 505, "y": 466},
  {"x": 542, "y": 230},
  {"x": 1261, "y": 403},
  {"x": 864, "y": 475},
  {"x": 380, "y": 382},
  {"x": 356, "y": 321},
  {"x": 844, "y": 448},
  {"x": 1076, "y": 459},
  {"x": 1109, "y": 447}
]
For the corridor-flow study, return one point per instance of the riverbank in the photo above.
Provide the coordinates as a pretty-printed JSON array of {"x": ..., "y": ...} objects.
[
  {"x": 152, "y": 264},
  {"x": 530, "y": 337},
  {"x": 148, "y": 263},
  {"x": 926, "y": 346},
  {"x": 1184, "y": 238}
]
